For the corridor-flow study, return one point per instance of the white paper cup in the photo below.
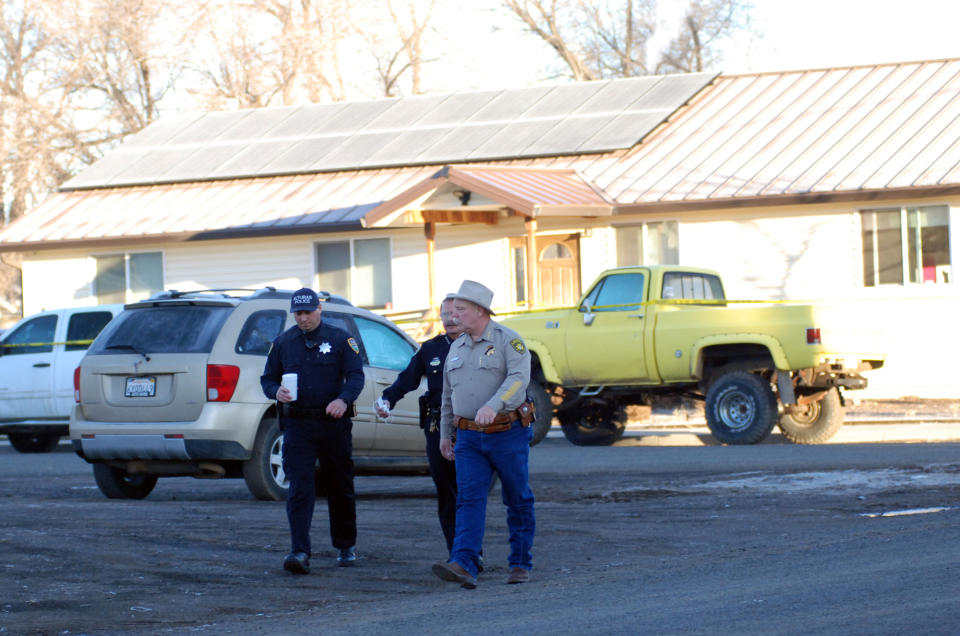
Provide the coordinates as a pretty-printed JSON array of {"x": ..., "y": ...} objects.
[{"x": 289, "y": 380}]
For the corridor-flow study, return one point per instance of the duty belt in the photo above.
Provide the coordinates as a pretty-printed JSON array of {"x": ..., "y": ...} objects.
[
  {"x": 314, "y": 414},
  {"x": 502, "y": 422}
]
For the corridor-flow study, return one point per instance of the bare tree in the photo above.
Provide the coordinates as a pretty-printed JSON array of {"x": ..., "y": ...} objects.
[
  {"x": 598, "y": 39},
  {"x": 28, "y": 104},
  {"x": 397, "y": 46},
  {"x": 268, "y": 52},
  {"x": 705, "y": 24},
  {"x": 557, "y": 23}
]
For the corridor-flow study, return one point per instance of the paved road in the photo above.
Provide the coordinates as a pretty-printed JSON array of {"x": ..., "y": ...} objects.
[{"x": 774, "y": 538}]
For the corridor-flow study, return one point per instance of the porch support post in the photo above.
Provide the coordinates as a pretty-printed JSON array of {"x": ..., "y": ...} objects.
[
  {"x": 430, "y": 232},
  {"x": 530, "y": 225}
]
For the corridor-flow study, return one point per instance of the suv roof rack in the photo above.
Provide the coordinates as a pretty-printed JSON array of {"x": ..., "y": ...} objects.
[{"x": 263, "y": 292}]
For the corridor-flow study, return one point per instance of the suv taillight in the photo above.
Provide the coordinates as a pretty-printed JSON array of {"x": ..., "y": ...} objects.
[
  {"x": 76, "y": 385},
  {"x": 221, "y": 382}
]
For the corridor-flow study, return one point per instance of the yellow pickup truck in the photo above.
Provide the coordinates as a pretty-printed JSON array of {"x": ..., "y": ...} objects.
[{"x": 643, "y": 332}]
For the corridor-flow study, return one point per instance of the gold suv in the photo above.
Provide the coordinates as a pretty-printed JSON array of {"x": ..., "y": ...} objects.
[{"x": 171, "y": 387}]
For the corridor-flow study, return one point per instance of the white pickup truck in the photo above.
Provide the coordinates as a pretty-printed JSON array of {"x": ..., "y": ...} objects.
[{"x": 38, "y": 357}]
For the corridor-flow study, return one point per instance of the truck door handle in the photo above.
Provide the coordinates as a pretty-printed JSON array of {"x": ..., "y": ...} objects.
[
  {"x": 41, "y": 364},
  {"x": 634, "y": 315}
]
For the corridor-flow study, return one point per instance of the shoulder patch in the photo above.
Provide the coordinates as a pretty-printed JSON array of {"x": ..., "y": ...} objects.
[
  {"x": 353, "y": 345},
  {"x": 518, "y": 345}
]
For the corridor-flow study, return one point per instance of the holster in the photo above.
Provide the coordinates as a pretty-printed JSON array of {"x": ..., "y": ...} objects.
[
  {"x": 527, "y": 413},
  {"x": 425, "y": 411}
]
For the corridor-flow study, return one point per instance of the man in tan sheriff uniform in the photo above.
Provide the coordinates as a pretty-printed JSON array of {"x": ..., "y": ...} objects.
[{"x": 484, "y": 409}]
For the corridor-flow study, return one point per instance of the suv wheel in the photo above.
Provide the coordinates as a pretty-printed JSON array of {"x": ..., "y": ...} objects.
[
  {"x": 116, "y": 483},
  {"x": 263, "y": 472},
  {"x": 34, "y": 442}
]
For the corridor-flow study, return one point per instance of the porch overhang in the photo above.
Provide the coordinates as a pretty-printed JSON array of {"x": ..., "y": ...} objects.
[{"x": 481, "y": 194}]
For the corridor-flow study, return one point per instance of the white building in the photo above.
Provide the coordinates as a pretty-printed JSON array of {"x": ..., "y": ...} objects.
[{"x": 839, "y": 185}]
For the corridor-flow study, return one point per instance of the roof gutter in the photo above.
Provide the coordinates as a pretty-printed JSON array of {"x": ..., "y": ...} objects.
[
  {"x": 181, "y": 237},
  {"x": 805, "y": 198}
]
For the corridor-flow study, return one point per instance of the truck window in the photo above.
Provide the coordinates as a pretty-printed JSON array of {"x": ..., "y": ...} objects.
[
  {"x": 617, "y": 292},
  {"x": 83, "y": 327},
  {"x": 34, "y": 336},
  {"x": 691, "y": 286}
]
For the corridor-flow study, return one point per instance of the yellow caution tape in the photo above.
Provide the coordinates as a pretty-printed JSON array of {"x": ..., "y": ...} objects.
[{"x": 46, "y": 344}]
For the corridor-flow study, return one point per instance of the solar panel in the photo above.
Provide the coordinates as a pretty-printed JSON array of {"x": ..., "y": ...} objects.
[
  {"x": 307, "y": 120},
  {"x": 561, "y": 100},
  {"x": 397, "y": 150},
  {"x": 303, "y": 153},
  {"x": 448, "y": 128},
  {"x": 512, "y": 139},
  {"x": 457, "y": 143},
  {"x": 616, "y": 96},
  {"x": 566, "y": 136},
  {"x": 456, "y": 108},
  {"x": 623, "y": 131},
  {"x": 354, "y": 152},
  {"x": 257, "y": 124},
  {"x": 405, "y": 113},
  {"x": 206, "y": 128}
]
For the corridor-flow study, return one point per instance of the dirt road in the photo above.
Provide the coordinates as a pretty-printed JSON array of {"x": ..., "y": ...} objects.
[{"x": 703, "y": 540}]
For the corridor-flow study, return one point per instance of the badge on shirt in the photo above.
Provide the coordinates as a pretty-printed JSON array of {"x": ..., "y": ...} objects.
[
  {"x": 353, "y": 345},
  {"x": 435, "y": 362},
  {"x": 517, "y": 345},
  {"x": 490, "y": 351},
  {"x": 324, "y": 347}
]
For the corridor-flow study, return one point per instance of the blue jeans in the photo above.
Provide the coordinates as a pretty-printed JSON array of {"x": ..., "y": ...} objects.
[{"x": 477, "y": 456}]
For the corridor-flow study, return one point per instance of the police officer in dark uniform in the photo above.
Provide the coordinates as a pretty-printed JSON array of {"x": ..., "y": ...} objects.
[
  {"x": 428, "y": 361},
  {"x": 316, "y": 425}
]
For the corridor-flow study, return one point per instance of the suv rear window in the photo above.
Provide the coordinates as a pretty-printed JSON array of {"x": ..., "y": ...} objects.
[{"x": 162, "y": 329}]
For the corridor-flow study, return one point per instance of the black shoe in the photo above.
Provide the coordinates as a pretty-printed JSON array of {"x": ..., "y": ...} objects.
[
  {"x": 479, "y": 564},
  {"x": 348, "y": 557},
  {"x": 297, "y": 563}
]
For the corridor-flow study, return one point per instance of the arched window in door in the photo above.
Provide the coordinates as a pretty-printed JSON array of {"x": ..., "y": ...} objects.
[{"x": 559, "y": 272}]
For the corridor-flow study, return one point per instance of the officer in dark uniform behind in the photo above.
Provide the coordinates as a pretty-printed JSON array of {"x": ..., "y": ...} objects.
[
  {"x": 428, "y": 361},
  {"x": 316, "y": 425}
]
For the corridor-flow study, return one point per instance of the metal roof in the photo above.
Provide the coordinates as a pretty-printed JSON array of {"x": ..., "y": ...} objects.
[
  {"x": 531, "y": 191},
  {"x": 853, "y": 130},
  {"x": 585, "y": 117},
  {"x": 858, "y": 133}
]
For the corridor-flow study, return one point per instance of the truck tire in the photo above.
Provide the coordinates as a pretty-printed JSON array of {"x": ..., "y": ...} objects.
[
  {"x": 116, "y": 483},
  {"x": 544, "y": 414},
  {"x": 597, "y": 423},
  {"x": 815, "y": 422},
  {"x": 34, "y": 442},
  {"x": 741, "y": 408},
  {"x": 263, "y": 472}
]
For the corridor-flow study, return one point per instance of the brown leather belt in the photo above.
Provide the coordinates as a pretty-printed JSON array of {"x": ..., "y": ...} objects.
[{"x": 502, "y": 422}]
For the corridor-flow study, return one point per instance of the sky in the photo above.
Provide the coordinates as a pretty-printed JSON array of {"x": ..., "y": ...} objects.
[{"x": 489, "y": 51}]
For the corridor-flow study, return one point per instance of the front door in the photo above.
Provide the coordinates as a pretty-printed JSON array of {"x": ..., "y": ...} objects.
[
  {"x": 558, "y": 265},
  {"x": 26, "y": 369}
]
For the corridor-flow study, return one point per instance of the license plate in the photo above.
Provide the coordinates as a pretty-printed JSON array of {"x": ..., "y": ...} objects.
[{"x": 141, "y": 387}]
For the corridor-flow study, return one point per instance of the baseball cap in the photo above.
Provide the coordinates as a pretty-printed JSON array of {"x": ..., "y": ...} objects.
[{"x": 304, "y": 299}]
